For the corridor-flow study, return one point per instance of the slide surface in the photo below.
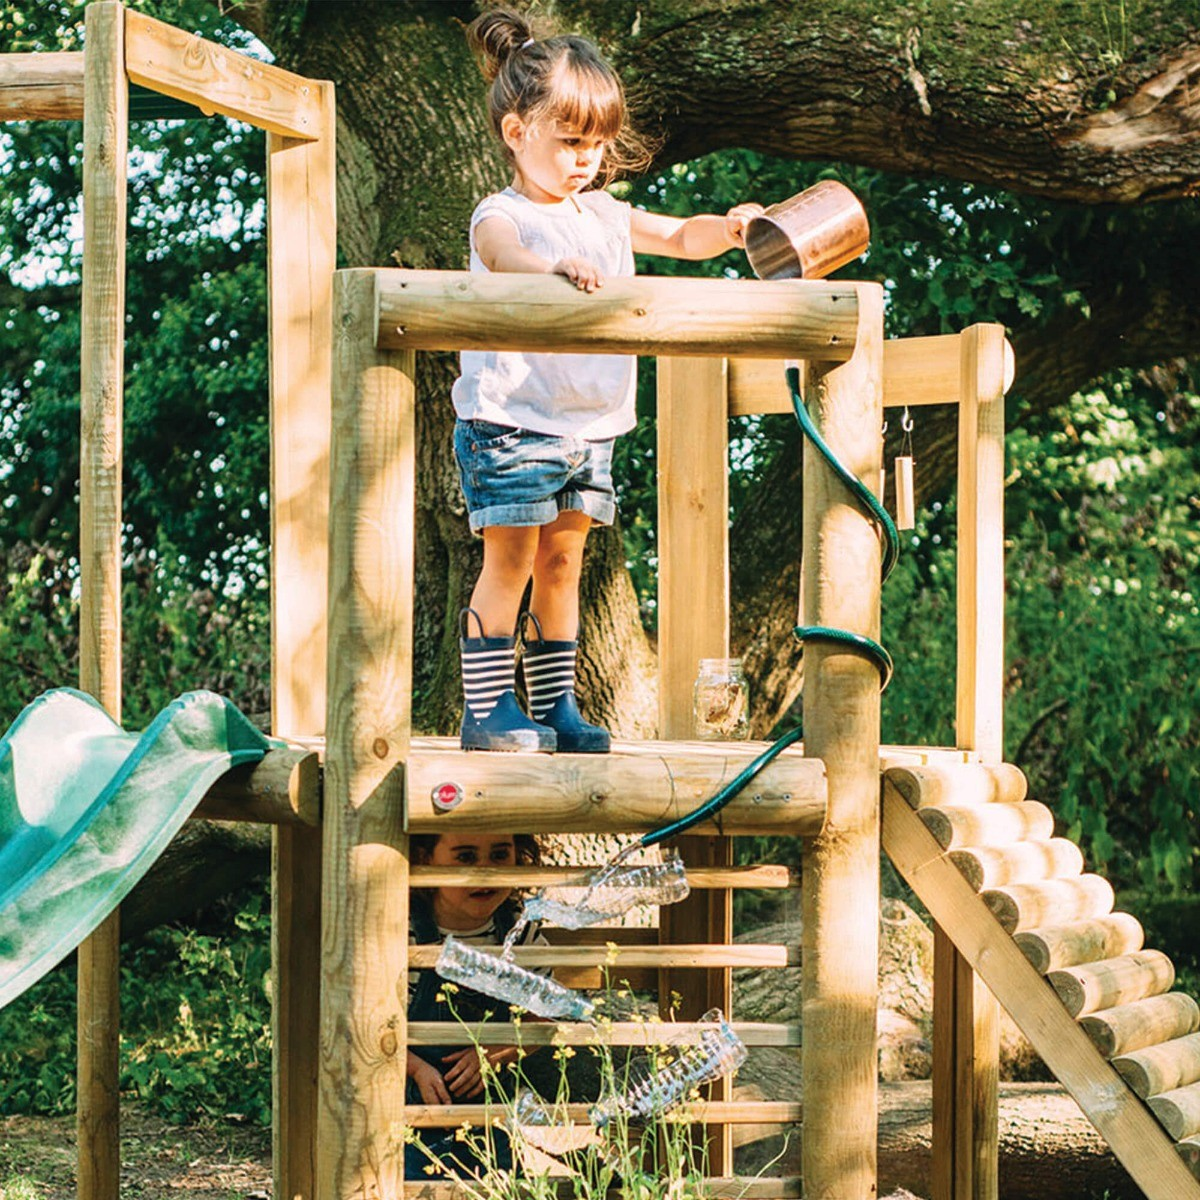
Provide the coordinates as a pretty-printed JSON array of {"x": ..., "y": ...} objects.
[{"x": 86, "y": 808}]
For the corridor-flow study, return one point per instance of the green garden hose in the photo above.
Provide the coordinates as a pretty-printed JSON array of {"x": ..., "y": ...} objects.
[{"x": 856, "y": 643}]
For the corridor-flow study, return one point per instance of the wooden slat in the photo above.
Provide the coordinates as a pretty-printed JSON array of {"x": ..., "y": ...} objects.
[
  {"x": 219, "y": 80},
  {"x": 638, "y": 787},
  {"x": 693, "y": 623},
  {"x": 1094, "y": 986},
  {"x": 767, "y": 876},
  {"x": 1022, "y": 862},
  {"x": 616, "y": 1033},
  {"x": 1163, "y": 1067},
  {"x": 365, "y": 893},
  {"x": 1129, "y": 1027},
  {"x": 458, "y": 310},
  {"x": 283, "y": 789},
  {"x": 959, "y": 826},
  {"x": 46, "y": 86},
  {"x": 957, "y": 784},
  {"x": 1050, "y": 902},
  {"x": 733, "y": 1112},
  {"x": 1117, "y": 1113},
  {"x": 1055, "y": 946},
  {"x": 675, "y": 954},
  {"x": 840, "y": 884},
  {"x": 102, "y": 359}
]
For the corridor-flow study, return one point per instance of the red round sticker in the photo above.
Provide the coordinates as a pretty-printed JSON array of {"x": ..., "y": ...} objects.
[{"x": 447, "y": 796}]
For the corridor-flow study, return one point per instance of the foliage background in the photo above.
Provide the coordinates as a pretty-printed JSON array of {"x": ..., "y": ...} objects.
[{"x": 1103, "y": 549}]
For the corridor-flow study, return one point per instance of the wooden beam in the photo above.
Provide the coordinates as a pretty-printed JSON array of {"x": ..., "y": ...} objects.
[
  {"x": 364, "y": 914},
  {"x": 283, "y": 789},
  {"x": 916, "y": 371},
  {"x": 219, "y": 80},
  {"x": 972, "y": 1078},
  {"x": 637, "y": 788},
  {"x": 44, "y": 86},
  {"x": 457, "y": 310},
  {"x": 840, "y": 881},
  {"x": 614, "y": 1033},
  {"x": 301, "y": 257},
  {"x": 711, "y": 1188},
  {"x": 1120, "y": 1117},
  {"x": 693, "y": 623},
  {"x": 743, "y": 1112},
  {"x": 764, "y": 876},
  {"x": 675, "y": 954},
  {"x": 102, "y": 381}
]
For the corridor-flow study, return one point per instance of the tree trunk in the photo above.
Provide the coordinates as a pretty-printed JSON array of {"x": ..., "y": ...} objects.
[{"x": 1057, "y": 104}]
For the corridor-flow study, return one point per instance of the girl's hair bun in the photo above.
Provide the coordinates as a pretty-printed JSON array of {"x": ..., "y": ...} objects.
[{"x": 496, "y": 36}]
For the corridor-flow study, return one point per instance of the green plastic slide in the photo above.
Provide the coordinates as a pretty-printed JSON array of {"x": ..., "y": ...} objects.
[{"x": 86, "y": 808}]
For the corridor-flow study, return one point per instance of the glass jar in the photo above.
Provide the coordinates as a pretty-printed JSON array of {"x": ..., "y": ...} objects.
[{"x": 721, "y": 701}]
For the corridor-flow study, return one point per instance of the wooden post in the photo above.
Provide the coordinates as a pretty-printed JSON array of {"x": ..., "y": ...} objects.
[
  {"x": 693, "y": 623},
  {"x": 301, "y": 236},
  {"x": 102, "y": 350},
  {"x": 364, "y": 933},
  {"x": 840, "y": 877},
  {"x": 965, "y": 1015}
]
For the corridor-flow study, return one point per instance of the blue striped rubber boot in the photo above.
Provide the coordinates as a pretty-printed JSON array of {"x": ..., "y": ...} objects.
[
  {"x": 492, "y": 717},
  {"x": 549, "y": 669}
]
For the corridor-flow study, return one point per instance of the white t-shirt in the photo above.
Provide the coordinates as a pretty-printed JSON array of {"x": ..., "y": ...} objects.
[{"x": 584, "y": 395}]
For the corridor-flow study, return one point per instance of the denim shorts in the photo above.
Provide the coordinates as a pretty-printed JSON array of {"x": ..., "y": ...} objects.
[{"x": 518, "y": 477}]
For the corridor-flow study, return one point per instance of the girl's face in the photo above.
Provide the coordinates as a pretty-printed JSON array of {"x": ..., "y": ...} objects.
[
  {"x": 463, "y": 908},
  {"x": 553, "y": 160}
]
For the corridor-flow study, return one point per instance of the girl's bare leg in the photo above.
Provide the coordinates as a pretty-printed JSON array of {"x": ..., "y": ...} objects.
[
  {"x": 509, "y": 553},
  {"x": 556, "y": 569}
]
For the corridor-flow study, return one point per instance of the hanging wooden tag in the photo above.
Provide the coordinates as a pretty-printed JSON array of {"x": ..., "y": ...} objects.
[
  {"x": 905, "y": 500},
  {"x": 882, "y": 493}
]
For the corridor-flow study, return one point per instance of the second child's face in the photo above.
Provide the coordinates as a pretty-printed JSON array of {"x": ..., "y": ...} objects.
[
  {"x": 553, "y": 160},
  {"x": 464, "y": 908}
]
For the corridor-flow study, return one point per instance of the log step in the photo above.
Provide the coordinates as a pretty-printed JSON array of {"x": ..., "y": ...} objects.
[
  {"x": 1021, "y": 862},
  {"x": 957, "y": 825},
  {"x": 1050, "y": 902},
  {"x": 1053, "y": 947},
  {"x": 935, "y": 785},
  {"x": 1161, "y": 1068},
  {"x": 1129, "y": 1027},
  {"x": 1179, "y": 1111},
  {"x": 1189, "y": 1151},
  {"x": 1113, "y": 982}
]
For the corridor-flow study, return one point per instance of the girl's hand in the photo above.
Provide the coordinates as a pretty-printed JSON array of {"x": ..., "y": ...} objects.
[
  {"x": 736, "y": 220},
  {"x": 465, "y": 1076},
  {"x": 580, "y": 272},
  {"x": 429, "y": 1081}
]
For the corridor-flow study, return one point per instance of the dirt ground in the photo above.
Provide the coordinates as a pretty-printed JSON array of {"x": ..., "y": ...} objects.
[{"x": 158, "y": 1161}]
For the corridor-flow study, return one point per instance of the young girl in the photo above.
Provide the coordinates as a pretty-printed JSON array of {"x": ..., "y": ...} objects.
[
  {"x": 534, "y": 435},
  {"x": 477, "y": 916}
]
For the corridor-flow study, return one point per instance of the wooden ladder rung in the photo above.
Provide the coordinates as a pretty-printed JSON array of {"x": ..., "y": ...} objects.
[
  {"x": 699, "y": 878},
  {"x": 672, "y": 955},
  {"x": 725, "y": 1112},
  {"x": 717, "y": 1188},
  {"x": 579, "y": 1033}
]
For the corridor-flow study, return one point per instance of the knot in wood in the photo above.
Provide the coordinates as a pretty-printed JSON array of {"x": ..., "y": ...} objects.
[
  {"x": 380, "y": 747},
  {"x": 389, "y": 1043}
]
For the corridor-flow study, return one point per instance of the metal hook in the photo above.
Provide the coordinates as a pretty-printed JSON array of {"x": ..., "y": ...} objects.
[{"x": 906, "y": 422}]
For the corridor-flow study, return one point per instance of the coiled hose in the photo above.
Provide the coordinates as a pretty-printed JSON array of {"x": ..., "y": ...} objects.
[{"x": 856, "y": 643}]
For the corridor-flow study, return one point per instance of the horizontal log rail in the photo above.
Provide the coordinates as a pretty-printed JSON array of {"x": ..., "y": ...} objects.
[
  {"x": 638, "y": 787},
  {"x": 699, "y": 878},
  {"x": 724, "y": 1112},
  {"x": 659, "y": 315},
  {"x": 219, "y": 80},
  {"x": 42, "y": 86},
  {"x": 283, "y": 789},
  {"x": 670, "y": 954},
  {"x": 580, "y": 1033}
]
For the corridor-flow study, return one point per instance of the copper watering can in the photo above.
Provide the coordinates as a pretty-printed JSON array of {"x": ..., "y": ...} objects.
[{"x": 815, "y": 232}]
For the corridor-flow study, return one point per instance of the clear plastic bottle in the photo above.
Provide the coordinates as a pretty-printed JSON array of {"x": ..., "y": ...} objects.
[
  {"x": 613, "y": 891},
  {"x": 649, "y": 1092},
  {"x": 502, "y": 978},
  {"x": 721, "y": 701}
]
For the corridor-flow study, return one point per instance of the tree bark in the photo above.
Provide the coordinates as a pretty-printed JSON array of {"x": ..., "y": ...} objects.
[{"x": 1060, "y": 103}]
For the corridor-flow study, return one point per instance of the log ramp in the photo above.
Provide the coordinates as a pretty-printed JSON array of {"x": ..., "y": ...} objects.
[{"x": 1041, "y": 933}]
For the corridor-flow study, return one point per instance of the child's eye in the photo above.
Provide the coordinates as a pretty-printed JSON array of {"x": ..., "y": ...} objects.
[
  {"x": 503, "y": 855},
  {"x": 466, "y": 856}
]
